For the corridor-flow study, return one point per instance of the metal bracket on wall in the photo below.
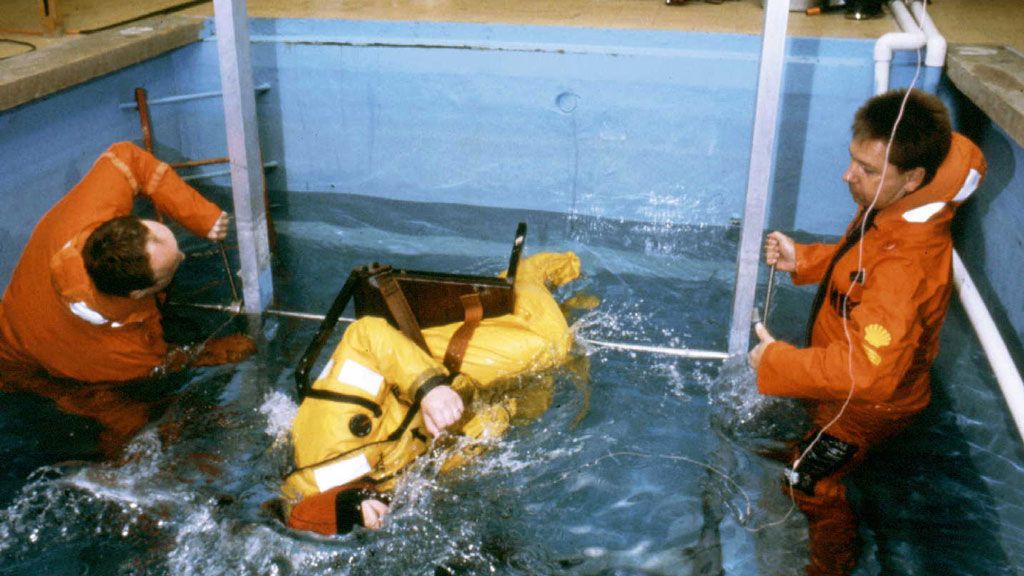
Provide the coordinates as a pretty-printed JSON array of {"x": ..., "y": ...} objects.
[
  {"x": 49, "y": 16},
  {"x": 260, "y": 88}
]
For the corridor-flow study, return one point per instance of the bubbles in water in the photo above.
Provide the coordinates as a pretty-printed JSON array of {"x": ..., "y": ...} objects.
[{"x": 279, "y": 410}]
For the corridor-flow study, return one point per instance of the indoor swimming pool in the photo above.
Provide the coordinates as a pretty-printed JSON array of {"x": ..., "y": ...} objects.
[{"x": 422, "y": 145}]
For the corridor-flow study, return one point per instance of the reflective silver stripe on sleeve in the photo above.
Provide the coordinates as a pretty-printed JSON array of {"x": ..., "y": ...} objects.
[
  {"x": 154, "y": 180},
  {"x": 342, "y": 472},
  {"x": 120, "y": 165}
]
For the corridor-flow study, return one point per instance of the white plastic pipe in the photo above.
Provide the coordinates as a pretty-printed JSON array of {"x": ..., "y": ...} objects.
[
  {"x": 911, "y": 38},
  {"x": 936, "y": 43},
  {"x": 992, "y": 342},
  {"x": 935, "y": 53}
]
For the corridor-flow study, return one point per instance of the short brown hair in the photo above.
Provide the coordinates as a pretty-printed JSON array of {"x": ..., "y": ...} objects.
[
  {"x": 116, "y": 258},
  {"x": 923, "y": 136}
]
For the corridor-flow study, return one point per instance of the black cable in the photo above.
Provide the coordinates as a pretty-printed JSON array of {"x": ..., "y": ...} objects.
[
  {"x": 160, "y": 12},
  {"x": 32, "y": 47}
]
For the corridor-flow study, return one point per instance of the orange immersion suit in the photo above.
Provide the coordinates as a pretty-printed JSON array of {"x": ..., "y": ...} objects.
[
  {"x": 52, "y": 316},
  {"x": 894, "y": 312},
  {"x": 360, "y": 426}
]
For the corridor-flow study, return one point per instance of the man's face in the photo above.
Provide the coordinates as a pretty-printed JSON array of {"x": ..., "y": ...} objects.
[
  {"x": 863, "y": 175},
  {"x": 164, "y": 256}
]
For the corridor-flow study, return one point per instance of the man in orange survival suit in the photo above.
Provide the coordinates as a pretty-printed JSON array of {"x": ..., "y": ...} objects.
[
  {"x": 888, "y": 296},
  {"x": 359, "y": 426},
  {"x": 81, "y": 303}
]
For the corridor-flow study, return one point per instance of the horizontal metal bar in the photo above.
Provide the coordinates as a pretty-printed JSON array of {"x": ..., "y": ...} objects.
[
  {"x": 185, "y": 97},
  {"x": 266, "y": 166},
  {"x": 680, "y": 352}
]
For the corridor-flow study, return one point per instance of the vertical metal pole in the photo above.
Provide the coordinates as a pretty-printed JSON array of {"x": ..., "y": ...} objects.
[
  {"x": 232, "y": 28},
  {"x": 769, "y": 89}
]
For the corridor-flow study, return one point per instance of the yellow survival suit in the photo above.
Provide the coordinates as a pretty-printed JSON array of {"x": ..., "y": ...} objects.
[{"x": 359, "y": 425}]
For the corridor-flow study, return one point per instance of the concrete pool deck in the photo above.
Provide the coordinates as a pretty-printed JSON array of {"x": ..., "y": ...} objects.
[{"x": 985, "y": 58}]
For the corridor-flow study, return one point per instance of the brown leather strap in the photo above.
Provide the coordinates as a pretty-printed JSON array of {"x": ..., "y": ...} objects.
[
  {"x": 460, "y": 340},
  {"x": 400, "y": 310}
]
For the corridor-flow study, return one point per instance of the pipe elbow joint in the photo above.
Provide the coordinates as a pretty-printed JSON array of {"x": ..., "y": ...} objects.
[
  {"x": 888, "y": 43},
  {"x": 936, "y": 52}
]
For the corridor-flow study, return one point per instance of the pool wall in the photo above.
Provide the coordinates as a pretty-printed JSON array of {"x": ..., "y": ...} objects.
[{"x": 649, "y": 126}]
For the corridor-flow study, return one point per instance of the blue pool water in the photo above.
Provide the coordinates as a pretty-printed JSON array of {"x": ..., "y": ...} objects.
[{"x": 635, "y": 468}]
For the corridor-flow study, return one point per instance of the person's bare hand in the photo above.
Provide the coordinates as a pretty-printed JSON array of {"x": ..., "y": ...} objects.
[
  {"x": 441, "y": 407},
  {"x": 780, "y": 251},
  {"x": 373, "y": 512},
  {"x": 754, "y": 357},
  {"x": 219, "y": 231}
]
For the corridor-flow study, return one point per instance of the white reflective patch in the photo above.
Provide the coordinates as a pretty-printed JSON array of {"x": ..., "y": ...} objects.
[
  {"x": 343, "y": 472},
  {"x": 923, "y": 213},
  {"x": 91, "y": 316},
  {"x": 326, "y": 370},
  {"x": 355, "y": 374},
  {"x": 970, "y": 185},
  {"x": 116, "y": 325}
]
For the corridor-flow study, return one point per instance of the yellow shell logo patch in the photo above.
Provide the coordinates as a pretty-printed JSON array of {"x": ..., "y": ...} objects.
[
  {"x": 873, "y": 355},
  {"x": 877, "y": 336}
]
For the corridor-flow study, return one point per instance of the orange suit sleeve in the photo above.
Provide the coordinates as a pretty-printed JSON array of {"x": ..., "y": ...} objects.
[
  {"x": 811, "y": 262},
  {"x": 169, "y": 193}
]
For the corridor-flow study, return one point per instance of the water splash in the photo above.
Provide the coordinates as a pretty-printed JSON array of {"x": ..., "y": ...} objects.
[{"x": 749, "y": 417}]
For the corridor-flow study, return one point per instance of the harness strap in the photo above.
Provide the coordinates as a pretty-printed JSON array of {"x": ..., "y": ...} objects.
[
  {"x": 456, "y": 350},
  {"x": 347, "y": 398},
  {"x": 402, "y": 427},
  {"x": 400, "y": 310},
  {"x": 823, "y": 286}
]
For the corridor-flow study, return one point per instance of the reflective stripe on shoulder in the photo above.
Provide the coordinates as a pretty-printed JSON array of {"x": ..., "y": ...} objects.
[
  {"x": 970, "y": 185},
  {"x": 923, "y": 213},
  {"x": 82, "y": 310},
  {"x": 125, "y": 170},
  {"x": 355, "y": 374},
  {"x": 342, "y": 472}
]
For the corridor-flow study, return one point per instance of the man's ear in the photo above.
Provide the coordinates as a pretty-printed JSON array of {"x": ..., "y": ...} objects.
[{"x": 913, "y": 179}]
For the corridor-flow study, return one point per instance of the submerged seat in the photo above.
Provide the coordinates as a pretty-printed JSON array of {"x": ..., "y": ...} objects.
[{"x": 411, "y": 300}]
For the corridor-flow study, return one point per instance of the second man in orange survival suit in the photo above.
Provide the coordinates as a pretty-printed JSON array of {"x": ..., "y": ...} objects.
[
  {"x": 881, "y": 301},
  {"x": 81, "y": 303}
]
